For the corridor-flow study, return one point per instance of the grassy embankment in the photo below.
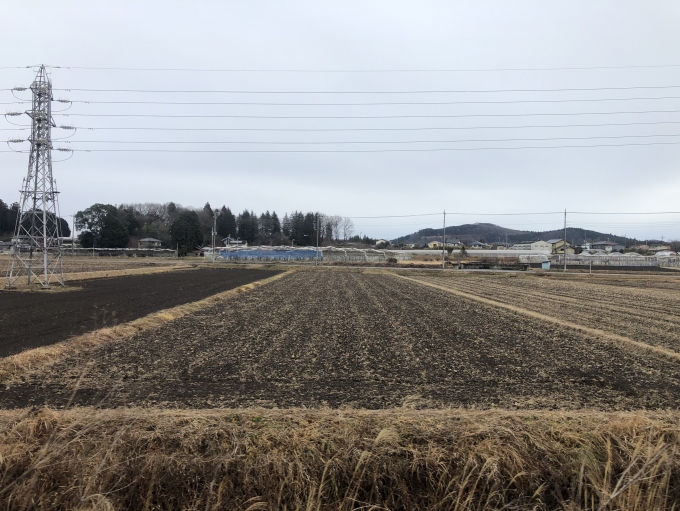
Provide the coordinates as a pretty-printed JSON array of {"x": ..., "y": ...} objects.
[{"x": 337, "y": 459}]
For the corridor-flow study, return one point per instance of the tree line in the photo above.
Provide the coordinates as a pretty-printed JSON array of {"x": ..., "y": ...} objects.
[
  {"x": 109, "y": 226},
  {"x": 8, "y": 221}
]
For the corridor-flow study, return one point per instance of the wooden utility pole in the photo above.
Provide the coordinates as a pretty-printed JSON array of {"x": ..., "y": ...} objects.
[
  {"x": 444, "y": 243},
  {"x": 564, "y": 241}
]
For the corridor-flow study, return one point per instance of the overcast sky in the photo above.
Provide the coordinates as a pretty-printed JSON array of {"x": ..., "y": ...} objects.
[{"x": 474, "y": 39}]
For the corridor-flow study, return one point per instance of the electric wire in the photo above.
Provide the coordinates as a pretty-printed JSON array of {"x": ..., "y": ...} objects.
[
  {"x": 458, "y": 116},
  {"x": 433, "y": 103},
  {"x": 472, "y": 70},
  {"x": 443, "y": 149},
  {"x": 101, "y": 128},
  {"x": 370, "y": 141},
  {"x": 444, "y": 91}
]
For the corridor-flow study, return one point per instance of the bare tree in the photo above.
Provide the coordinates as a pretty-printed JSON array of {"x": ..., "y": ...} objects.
[
  {"x": 347, "y": 228},
  {"x": 332, "y": 225}
]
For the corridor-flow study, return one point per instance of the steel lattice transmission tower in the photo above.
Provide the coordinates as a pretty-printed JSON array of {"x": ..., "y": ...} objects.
[{"x": 36, "y": 245}]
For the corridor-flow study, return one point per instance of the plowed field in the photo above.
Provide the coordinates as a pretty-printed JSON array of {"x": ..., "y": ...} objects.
[
  {"x": 365, "y": 340},
  {"x": 643, "y": 309}
]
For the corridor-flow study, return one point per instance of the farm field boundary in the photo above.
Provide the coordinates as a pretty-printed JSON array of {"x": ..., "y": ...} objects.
[
  {"x": 102, "y": 274},
  {"x": 254, "y": 458},
  {"x": 597, "y": 333},
  {"x": 14, "y": 366}
]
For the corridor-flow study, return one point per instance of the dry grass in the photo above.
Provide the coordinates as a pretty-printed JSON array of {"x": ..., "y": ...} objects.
[
  {"x": 297, "y": 459},
  {"x": 22, "y": 363}
]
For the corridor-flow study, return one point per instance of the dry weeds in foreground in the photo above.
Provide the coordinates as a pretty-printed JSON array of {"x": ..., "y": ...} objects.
[
  {"x": 252, "y": 458},
  {"x": 22, "y": 363}
]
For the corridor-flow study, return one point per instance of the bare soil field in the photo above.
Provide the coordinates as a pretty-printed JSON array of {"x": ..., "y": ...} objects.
[
  {"x": 347, "y": 338},
  {"x": 641, "y": 308},
  {"x": 37, "y": 319}
]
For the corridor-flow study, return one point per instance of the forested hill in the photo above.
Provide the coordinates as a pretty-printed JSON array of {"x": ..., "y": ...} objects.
[{"x": 491, "y": 233}]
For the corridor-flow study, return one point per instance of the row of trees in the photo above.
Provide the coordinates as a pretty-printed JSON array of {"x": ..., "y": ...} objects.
[
  {"x": 108, "y": 226},
  {"x": 8, "y": 221},
  {"x": 8, "y": 218}
]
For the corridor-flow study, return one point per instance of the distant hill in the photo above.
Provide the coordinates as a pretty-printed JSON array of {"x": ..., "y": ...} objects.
[{"x": 491, "y": 233}]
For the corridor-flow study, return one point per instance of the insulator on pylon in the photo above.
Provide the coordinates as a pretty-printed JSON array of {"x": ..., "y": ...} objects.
[
  {"x": 20, "y": 88},
  {"x": 63, "y": 100},
  {"x": 16, "y": 140},
  {"x": 64, "y": 149},
  {"x": 14, "y": 114},
  {"x": 66, "y": 127}
]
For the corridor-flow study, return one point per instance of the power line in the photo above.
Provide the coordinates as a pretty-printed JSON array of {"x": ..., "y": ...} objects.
[
  {"x": 371, "y": 116},
  {"x": 398, "y": 216},
  {"x": 654, "y": 87},
  {"x": 367, "y": 150},
  {"x": 618, "y": 213},
  {"x": 236, "y": 70},
  {"x": 433, "y": 103},
  {"x": 384, "y": 129},
  {"x": 321, "y": 130},
  {"x": 368, "y": 142}
]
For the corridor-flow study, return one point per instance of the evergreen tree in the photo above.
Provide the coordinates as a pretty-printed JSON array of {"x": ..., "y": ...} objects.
[
  {"x": 286, "y": 225},
  {"x": 186, "y": 232},
  {"x": 247, "y": 226},
  {"x": 276, "y": 225},
  {"x": 226, "y": 223},
  {"x": 102, "y": 221}
]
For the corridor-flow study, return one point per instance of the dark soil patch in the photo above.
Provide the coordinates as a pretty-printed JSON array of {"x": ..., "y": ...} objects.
[
  {"x": 352, "y": 339},
  {"x": 30, "y": 320}
]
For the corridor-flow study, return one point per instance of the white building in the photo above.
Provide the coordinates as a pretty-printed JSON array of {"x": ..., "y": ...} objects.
[{"x": 532, "y": 245}]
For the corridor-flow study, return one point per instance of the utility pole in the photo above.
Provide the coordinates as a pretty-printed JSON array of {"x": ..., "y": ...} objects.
[
  {"x": 214, "y": 233},
  {"x": 444, "y": 243},
  {"x": 37, "y": 227},
  {"x": 564, "y": 244},
  {"x": 73, "y": 233},
  {"x": 317, "y": 239}
]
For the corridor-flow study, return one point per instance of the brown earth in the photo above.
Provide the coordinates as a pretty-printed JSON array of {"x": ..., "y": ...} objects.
[
  {"x": 30, "y": 320},
  {"x": 643, "y": 309},
  {"x": 347, "y": 338}
]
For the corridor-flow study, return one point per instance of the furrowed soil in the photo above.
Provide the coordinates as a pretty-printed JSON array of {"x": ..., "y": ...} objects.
[
  {"x": 33, "y": 319},
  {"x": 643, "y": 309},
  {"x": 369, "y": 340}
]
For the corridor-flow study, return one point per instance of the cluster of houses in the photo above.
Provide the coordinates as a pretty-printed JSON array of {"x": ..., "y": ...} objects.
[
  {"x": 553, "y": 246},
  {"x": 558, "y": 246}
]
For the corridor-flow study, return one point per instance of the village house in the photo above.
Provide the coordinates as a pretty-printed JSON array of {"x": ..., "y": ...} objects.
[
  {"x": 557, "y": 246},
  {"x": 532, "y": 245},
  {"x": 607, "y": 246},
  {"x": 452, "y": 242}
]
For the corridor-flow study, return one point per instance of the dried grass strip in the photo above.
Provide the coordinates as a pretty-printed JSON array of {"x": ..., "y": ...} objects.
[
  {"x": 300, "y": 459},
  {"x": 595, "y": 332},
  {"x": 22, "y": 363}
]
